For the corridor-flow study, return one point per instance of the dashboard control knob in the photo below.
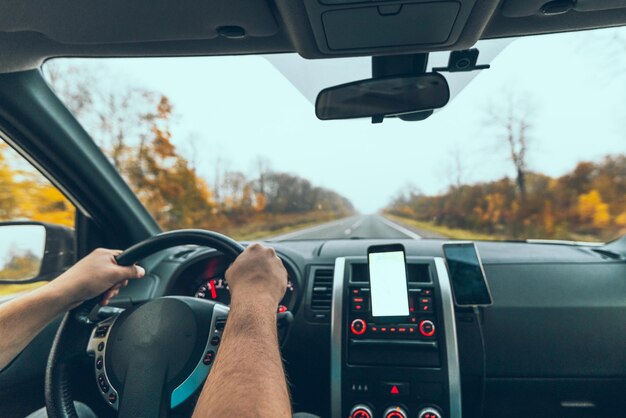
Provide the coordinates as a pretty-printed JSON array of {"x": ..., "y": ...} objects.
[
  {"x": 427, "y": 328},
  {"x": 429, "y": 413},
  {"x": 395, "y": 412},
  {"x": 361, "y": 411},
  {"x": 358, "y": 327}
]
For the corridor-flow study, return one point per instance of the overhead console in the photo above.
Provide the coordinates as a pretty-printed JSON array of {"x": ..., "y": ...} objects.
[
  {"x": 403, "y": 365},
  {"x": 357, "y": 27}
]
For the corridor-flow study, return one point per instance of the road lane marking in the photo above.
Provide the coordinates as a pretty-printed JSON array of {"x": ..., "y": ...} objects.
[
  {"x": 358, "y": 223},
  {"x": 399, "y": 228},
  {"x": 347, "y": 231},
  {"x": 292, "y": 235}
]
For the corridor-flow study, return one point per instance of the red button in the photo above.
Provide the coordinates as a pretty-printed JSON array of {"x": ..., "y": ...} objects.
[
  {"x": 360, "y": 413},
  {"x": 358, "y": 327},
  {"x": 427, "y": 328}
]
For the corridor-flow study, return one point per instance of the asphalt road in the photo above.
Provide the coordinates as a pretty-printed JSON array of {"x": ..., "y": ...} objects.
[{"x": 358, "y": 226}]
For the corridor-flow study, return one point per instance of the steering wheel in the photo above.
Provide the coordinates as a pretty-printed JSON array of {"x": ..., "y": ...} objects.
[{"x": 149, "y": 358}]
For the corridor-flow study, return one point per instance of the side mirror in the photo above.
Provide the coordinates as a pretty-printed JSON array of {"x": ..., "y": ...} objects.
[{"x": 34, "y": 251}]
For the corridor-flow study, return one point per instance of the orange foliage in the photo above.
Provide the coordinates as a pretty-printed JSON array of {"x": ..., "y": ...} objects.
[
  {"x": 592, "y": 209},
  {"x": 26, "y": 194},
  {"x": 587, "y": 203}
]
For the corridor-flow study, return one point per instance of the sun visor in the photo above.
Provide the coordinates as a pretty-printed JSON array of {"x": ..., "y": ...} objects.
[
  {"x": 354, "y": 27},
  {"x": 122, "y": 21},
  {"x": 390, "y": 25}
]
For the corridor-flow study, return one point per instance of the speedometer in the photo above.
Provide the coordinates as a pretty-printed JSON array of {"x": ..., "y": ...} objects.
[{"x": 216, "y": 288}]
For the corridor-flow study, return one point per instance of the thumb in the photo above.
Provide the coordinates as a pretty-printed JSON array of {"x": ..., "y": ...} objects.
[{"x": 131, "y": 272}]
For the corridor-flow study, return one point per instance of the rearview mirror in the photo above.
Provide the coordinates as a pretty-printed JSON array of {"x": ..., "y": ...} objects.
[
  {"x": 387, "y": 96},
  {"x": 34, "y": 251}
]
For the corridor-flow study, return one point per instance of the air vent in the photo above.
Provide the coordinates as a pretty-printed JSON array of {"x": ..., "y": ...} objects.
[{"x": 322, "y": 290}]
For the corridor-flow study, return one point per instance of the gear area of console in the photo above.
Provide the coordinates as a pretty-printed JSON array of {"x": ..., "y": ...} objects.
[{"x": 404, "y": 368}]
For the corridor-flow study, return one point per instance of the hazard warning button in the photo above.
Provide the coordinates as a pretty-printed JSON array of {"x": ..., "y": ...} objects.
[{"x": 395, "y": 388}]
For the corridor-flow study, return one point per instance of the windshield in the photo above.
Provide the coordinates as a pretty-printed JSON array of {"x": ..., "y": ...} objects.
[{"x": 533, "y": 147}]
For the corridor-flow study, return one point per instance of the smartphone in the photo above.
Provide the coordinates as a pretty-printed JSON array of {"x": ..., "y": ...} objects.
[
  {"x": 469, "y": 282},
  {"x": 389, "y": 291}
]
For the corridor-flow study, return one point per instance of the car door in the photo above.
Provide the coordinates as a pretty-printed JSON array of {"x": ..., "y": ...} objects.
[{"x": 36, "y": 245}]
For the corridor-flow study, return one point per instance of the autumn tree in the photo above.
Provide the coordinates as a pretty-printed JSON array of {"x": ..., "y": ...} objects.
[
  {"x": 512, "y": 122},
  {"x": 587, "y": 203},
  {"x": 133, "y": 126}
]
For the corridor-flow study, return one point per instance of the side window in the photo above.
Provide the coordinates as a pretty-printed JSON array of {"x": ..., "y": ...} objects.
[{"x": 33, "y": 213}]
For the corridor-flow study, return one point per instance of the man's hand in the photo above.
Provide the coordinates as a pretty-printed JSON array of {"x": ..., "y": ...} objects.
[
  {"x": 247, "y": 379},
  {"x": 95, "y": 274},
  {"x": 23, "y": 317},
  {"x": 257, "y": 275}
]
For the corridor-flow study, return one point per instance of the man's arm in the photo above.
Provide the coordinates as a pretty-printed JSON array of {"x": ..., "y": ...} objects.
[
  {"x": 21, "y": 319},
  {"x": 248, "y": 379}
]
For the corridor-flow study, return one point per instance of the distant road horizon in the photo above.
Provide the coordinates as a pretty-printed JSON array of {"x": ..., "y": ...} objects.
[{"x": 358, "y": 226}]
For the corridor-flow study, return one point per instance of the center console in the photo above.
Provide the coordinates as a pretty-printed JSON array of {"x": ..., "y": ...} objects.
[{"x": 404, "y": 369}]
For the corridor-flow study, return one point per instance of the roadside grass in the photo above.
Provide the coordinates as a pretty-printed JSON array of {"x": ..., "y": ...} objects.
[
  {"x": 452, "y": 233},
  {"x": 249, "y": 235}
]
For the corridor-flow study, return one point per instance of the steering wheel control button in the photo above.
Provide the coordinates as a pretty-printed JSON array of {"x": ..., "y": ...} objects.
[
  {"x": 104, "y": 387},
  {"x": 99, "y": 363},
  {"x": 395, "y": 412},
  {"x": 101, "y": 346},
  {"x": 427, "y": 328},
  {"x": 361, "y": 411},
  {"x": 395, "y": 388},
  {"x": 112, "y": 398},
  {"x": 429, "y": 413},
  {"x": 220, "y": 323},
  {"x": 358, "y": 327},
  {"x": 208, "y": 358},
  {"x": 101, "y": 331},
  {"x": 215, "y": 340}
]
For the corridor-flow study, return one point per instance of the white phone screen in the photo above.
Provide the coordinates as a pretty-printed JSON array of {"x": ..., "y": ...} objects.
[{"x": 388, "y": 285}]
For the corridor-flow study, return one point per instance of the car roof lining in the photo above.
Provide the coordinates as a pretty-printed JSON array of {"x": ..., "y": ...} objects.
[{"x": 32, "y": 31}]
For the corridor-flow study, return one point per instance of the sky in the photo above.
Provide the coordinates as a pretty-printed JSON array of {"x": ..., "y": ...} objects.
[{"x": 239, "y": 108}]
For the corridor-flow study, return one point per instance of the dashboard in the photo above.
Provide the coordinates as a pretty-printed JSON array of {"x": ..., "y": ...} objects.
[
  {"x": 551, "y": 344},
  {"x": 204, "y": 278}
]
